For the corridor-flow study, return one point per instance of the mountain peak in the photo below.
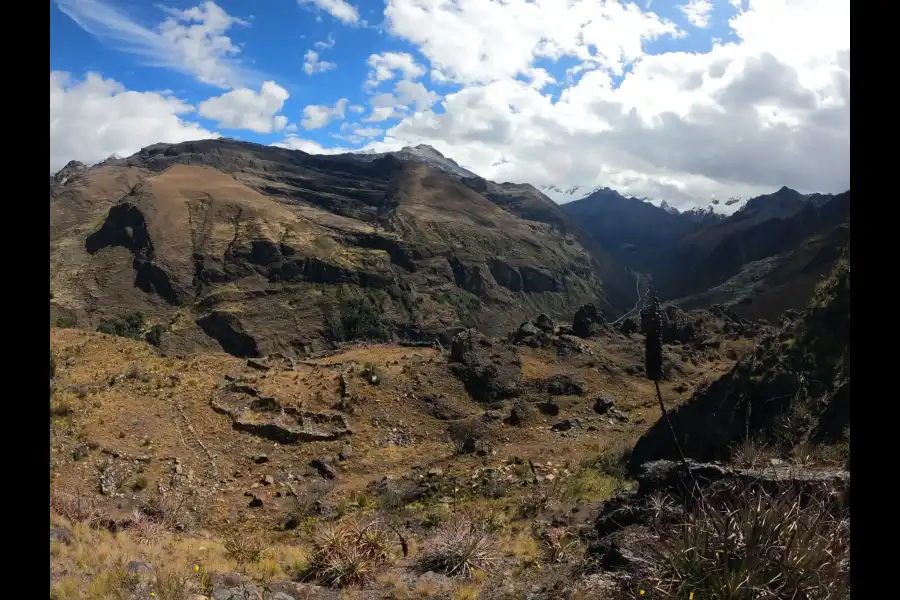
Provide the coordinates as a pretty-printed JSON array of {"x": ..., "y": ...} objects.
[{"x": 424, "y": 148}]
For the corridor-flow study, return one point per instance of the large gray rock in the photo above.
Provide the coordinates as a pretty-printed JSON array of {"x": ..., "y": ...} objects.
[{"x": 489, "y": 370}]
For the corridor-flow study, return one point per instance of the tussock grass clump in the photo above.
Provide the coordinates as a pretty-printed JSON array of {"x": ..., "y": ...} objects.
[
  {"x": 751, "y": 544},
  {"x": 74, "y": 507},
  {"x": 243, "y": 548},
  {"x": 460, "y": 547},
  {"x": 347, "y": 553}
]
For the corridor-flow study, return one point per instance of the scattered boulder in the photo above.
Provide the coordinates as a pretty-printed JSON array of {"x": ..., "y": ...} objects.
[
  {"x": 566, "y": 345},
  {"x": 112, "y": 477},
  {"x": 530, "y": 335},
  {"x": 549, "y": 407},
  {"x": 346, "y": 452},
  {"x": 255, "y": 501},
  {"x": 522, "y": 412},
  {"x": 490, "y": 371},
  {"x": 232, "y": 586},
  {"x": 282, "y": 589},
  {"x": 565, "y": 425},
  {"x": 587, "y": 321},
  {"x": 324, "y": 468},
  {"x": 561, "y": 385},
  {"x": 80, "y": 451},
  {"x": 468, "y": 436},
  {"x": 545, "y": 323},
  {"x": 140, "y": 568},
  {"x": 603, "y": 404}
]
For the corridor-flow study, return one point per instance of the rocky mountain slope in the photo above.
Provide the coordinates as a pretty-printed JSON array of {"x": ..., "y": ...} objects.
[
  {"x": 793, "y": 389},
  {"x": 699, "y": 261},
  {"x": 254, "y": 249}
]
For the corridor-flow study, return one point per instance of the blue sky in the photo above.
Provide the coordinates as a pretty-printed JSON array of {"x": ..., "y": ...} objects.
[
  {"x": 277, "y": 35},
  {"x": 512, "y": 89}
]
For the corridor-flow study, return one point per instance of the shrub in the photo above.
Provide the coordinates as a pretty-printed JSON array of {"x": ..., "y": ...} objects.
[
  {"x": 357, "y": 319},
  {"x": 130, "y": 326},
  {"x": 459, "y": 548},
  {"x": 154, "y": 336},
  {"x": 614, "y": 462},
  {"x": 751, "y": 544}
]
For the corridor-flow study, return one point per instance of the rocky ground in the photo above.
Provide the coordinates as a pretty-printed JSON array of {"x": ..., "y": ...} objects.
[
  {"x": 529, "y": 466},
  {"x": 525, "y": 435}
]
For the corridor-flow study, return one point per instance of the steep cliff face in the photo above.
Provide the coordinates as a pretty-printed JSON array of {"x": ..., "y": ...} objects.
[{"x": 255, "y": 250}]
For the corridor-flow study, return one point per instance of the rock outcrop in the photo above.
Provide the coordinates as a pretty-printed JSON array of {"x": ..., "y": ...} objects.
[
  {"x": 489, "y": 370},
  {"x": 272, "y": 419}
]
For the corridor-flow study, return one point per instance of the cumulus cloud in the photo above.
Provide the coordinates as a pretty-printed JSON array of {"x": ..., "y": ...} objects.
[
  {"x": 317, "y": 116},
  {"x": 387, "y": 66},
  {"x": 94, "y": 118},
  {"x": 356, "y": 133},
  {"x": 406, "y": 94},
  {"x": 326, "y": 43},
  {"x": 478, "y": 41},
  {"x": 697, "y": 12},
  {"x": 339, "y": 9},
  {"x": 295, "y": 142},
  {"x": 312, "y": 64},
  {"x": 246, "y": 109},
  {"x": 768, "y": 109},
  {"x": 191, "y": 41}
]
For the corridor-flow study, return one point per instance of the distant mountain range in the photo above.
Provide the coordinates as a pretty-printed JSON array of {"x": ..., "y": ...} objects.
[
  {"x": 688, "y": 254},
  {"x": 257, "y": 249}
]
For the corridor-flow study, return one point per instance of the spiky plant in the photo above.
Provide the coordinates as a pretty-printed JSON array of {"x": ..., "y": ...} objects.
[
  {"x": 753, "y": 544},
  {"x": 459, "y": 548}
]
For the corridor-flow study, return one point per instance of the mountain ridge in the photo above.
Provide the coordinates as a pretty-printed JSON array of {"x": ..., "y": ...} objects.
[{"x": 260, "y": 249}]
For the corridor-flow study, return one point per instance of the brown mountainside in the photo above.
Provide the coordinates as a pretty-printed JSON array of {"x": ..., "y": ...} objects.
[{"x": 258, "y": 250}]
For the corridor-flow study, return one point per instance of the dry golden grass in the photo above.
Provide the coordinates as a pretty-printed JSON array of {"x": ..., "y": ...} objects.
[
  {"x": 125, "y": 399},
  {"x": 92, "y": 567}
]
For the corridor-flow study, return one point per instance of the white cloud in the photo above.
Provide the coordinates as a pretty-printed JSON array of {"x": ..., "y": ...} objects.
[
  {"x": 356, "y": 108},
  {"x": 295, "y": 142},
  {"x": 312, "y": 64},
  {"x": 356, "y": 133},
  {"x": 96, "y": 117},
  {"x": 326, "y": 44},
  {"x": 770, "y": 109},
  {"x": 246, "y": 109},
  {"x": 406, "y": 93},
  {"x": 191, "y": 41},
  {"x": 317, "y": 116},
  {"x": 697, "y": 12},
  {"x": 478, "y": 41},
  {"x": 387, "y": 66},
  {"x": 339, "y": 9}
]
